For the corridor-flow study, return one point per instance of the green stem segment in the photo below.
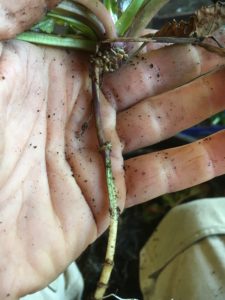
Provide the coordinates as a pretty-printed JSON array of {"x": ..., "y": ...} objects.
[
  {"x": 127, "y": 18},
  {"x": 144, "y": 16},
  {"x": 98, "y": 8},
  {"x": 106, "y": 148},
  {"x": 113, "y": 227}
]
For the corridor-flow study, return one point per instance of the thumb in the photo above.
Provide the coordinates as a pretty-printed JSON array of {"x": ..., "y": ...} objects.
[{"x": 17, "y": 16}]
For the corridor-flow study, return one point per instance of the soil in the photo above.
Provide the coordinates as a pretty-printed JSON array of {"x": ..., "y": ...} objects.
[
  {"x": 137, "y": 223},
  {"x": 135, "y": 227}
]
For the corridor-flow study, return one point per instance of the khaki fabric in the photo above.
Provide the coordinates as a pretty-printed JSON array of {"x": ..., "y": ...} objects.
[
  {"x": 185, "y": 257},
  {"x": 68, "y": 286}
]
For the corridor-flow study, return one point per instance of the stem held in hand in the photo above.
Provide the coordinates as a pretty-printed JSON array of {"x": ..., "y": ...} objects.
[{"x": 106, "y": 148}]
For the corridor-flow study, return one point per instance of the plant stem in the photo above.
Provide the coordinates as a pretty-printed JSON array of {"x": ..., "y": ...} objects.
[
  {"x": 211, "y": 48},
  {"x": 152, "y": 38},
  {"x": 81, "y": 13},
  {"x": 149, "y": 10},
  {"x": 106, "y": 148},
  {"x": 102, "y": 14},
  {"x": 126, "y": 19}
]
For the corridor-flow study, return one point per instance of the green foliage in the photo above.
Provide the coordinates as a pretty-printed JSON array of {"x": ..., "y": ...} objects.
[
  {"x": 70, "y": 20},
  {"x": 113, "y": 7},
  {"x": 145, "y": 14},
  {"x": 47, "y": 25},
  {"x": 128, "y": 16},
  {"x": 71, "y": 23},
  {"x": 57, "y": 41}
]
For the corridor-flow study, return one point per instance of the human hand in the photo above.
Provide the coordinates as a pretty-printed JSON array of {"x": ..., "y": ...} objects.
[
  {"x": 17, "y": 16},
  {"x": 53, "y": 197}
]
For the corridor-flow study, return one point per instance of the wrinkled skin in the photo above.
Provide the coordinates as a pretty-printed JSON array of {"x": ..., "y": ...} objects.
[
  {"x": 16, "y": 16},
  {"x": 53, "y": 197}
]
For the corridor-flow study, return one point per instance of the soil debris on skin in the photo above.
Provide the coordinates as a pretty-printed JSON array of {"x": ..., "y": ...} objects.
[
  {"x": 135, "y": 227},
  {"x": 138, "y": 223}
]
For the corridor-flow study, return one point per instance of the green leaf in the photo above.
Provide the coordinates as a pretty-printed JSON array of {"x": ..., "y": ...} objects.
[
  {"x": 47, "y": 26},
  {"x": 111, "y": 5},
  {"x": 78, "y": 12},
  {"x": 57, "y": 41},
  {"x": 145, "y": 15},
  {"x": 75, "y": 24},
  {"x": 126, "y": 19},
  {"x": 113, "y": 8}
]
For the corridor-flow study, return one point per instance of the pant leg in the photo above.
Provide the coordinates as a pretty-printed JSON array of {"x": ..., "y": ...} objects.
[{"x": 185, "y": 257}]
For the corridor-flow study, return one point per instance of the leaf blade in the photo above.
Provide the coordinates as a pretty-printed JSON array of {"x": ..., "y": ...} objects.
[
  {"x": 80, "y": 26},
  {"x": 57, "y": 41},
  {"x": 126, "y": 19},
  {"x": 145, "y": 15}
]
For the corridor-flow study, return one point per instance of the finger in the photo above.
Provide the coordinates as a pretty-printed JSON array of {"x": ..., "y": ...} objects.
[
  {"x": 16, "y": 16},
  {"x": 86, "y": 159},
  {"x": 157, "y": 118},
  {"x": 41, "y": 205},
  {"x": 155, "y": 174},
  {"x": 157, "y": 71}
]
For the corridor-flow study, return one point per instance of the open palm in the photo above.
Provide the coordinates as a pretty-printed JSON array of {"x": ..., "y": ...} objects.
[{"x": 53, "y": 196}]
